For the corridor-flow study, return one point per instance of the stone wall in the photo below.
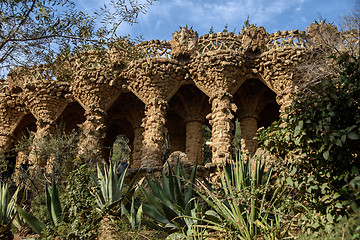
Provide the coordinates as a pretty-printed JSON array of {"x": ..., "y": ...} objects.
[{"x": 211, "y": 79}]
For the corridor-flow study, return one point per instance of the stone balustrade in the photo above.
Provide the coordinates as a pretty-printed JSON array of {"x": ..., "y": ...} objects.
[
  {"x": 220, "y": 41},
  {"x": 155, "y": 49},
  {"x": 286, "y": 39}
]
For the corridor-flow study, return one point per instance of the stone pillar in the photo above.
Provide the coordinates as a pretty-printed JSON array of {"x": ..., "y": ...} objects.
[
  {"x": 222, "y": 126},
  {"x": 91, "y": 143},
  {"x": 5, "y": 142},
  {"x": 153, "y": 124},
  {"x": 249, "y": 127},
  {"x": 43, "y": 129},
  {"x": 136, "y": 148},
  {"x": 284, "y": 100},
  {"x": 194, "y": 139}
]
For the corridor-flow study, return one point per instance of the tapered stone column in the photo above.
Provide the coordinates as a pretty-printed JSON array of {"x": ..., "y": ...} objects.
[
  {"x": 91, "y": 143},
  {"x": 43, "y": 129},
  {"x": 249, "y": 127},
  {"x": 194, "y": 139},
  {"x": 5, "y": 142},
  {"x": 284, "y": 100},
  {"x": 137, "y": 146},
  {"x": 153, "y": 124},
  {"x": 222, "y": 126}
]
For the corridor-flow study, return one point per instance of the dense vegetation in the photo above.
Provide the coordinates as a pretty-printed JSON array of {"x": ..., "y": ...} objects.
[
  {"x": 311, "y": 194},
  {"x": 310, "y": 190},
  {"x": 319, "y": 135}
]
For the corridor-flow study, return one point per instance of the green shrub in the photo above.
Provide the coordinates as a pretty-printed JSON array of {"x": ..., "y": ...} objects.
[
  {"x": 80, "y": 219},
  {"x": 58, "y": 149},
  {"x": 321, "y": 131},
  {"x": 347, "y": 228}
]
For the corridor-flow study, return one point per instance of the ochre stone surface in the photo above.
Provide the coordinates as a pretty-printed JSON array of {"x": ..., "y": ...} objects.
[
  {"x": 172, "y": 87},
  {"x": 153, "y": 124},
  {"x": 221, "y": 124}
]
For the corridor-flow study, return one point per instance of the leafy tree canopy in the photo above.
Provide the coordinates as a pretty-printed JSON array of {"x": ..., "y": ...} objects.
[{"x": 34, "y": 31}]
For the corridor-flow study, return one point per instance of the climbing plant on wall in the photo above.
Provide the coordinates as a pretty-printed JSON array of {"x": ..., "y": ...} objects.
[{"x": 321, "y": 131}]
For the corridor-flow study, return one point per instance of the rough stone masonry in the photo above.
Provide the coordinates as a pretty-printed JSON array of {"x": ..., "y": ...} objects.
[{"x": 175, "y": 87}]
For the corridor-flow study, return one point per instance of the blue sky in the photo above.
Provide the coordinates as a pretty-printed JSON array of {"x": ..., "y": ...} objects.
[{"x": 165, "y": 16}]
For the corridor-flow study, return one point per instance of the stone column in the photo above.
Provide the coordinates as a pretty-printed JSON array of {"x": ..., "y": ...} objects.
[
  {"x": 153, "y": 124},
  {"x": 43, "y": 129},
  {"x": 137, "y": 146},
  {"x": 194, "y": 139},
  {"x": 5, "y": 141},
  {"x": 284, "y": 100},
  {"x": 222, "y": 126},
  {"x": 91, "y": 143},
  {"x": 249, "y": 127}
]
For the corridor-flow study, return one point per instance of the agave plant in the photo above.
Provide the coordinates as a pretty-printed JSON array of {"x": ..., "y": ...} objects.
[
  {"x": 53, "y": 206},
  {"x": 134, "y": 215},
  {"x": 7, "y": 211},
  {"x": 242, "y": 206},
  {"x": 171, "y": 200},
  {"x": 110, "y": 190}
]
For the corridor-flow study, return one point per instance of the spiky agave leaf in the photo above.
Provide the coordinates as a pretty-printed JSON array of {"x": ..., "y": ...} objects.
[
  {"x": 110, "y": 189},
  {"x": 33, "y": 222},
  {"x": 7, "y": 210},
  {"x": 53, "y": 203},
  {"x": 133, "y": 216},
  {"x": 170, "y": 201}
]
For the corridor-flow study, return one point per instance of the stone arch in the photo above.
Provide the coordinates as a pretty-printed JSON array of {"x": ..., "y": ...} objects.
[
  {"x": 125, "y": 117},
  {"x": 72, "y": 116},
  {"x": 187, "y": 113},
  {"x": 256, "y": 104},
  {"x": 117, "y": 126},
  {"x": 25, "y": 124}
]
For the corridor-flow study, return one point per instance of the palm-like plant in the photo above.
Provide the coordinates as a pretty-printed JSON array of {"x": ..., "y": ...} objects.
[
  {"x": 171, "y": 200},
  {"x": 7, "y": 211},
  {"x": 53, "y": 207}
]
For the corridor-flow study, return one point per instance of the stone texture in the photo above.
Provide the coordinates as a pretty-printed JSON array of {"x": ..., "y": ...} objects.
[
  {"x": 194, "y": 139},
  {"x": 217, "y": 66},
  {"x": 153, "y": 124},
  {"x": 220, "y": 120},
  {"x": 173, "y": 160}
]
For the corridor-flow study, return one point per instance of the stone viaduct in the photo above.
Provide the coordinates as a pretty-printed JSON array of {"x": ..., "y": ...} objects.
[{"x": 175, "y": 86}]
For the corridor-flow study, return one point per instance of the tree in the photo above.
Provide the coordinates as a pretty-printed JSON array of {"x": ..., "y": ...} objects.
[{"x": 35, "y": 31}]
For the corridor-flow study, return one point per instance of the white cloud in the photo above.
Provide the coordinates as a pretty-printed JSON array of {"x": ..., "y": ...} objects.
[
  {"x": 209, "y": 13},
  {"x": 165, "y": 16}
]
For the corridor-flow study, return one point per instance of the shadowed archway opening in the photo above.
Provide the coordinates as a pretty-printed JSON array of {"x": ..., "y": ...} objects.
[
  {"x": 26, "y": 124},
  {"x": 257, "y": 107},
  {"x": 22, "y": 143},
  {"x": 185, "y": 120},
  {"x": 124, "y": 132},
  {"x": 72, "y": 116}
]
